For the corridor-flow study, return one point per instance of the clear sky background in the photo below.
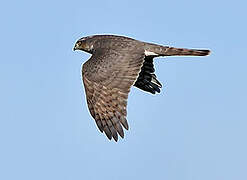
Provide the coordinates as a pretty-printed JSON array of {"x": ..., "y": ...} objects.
[{"x": 195, "y": 129}]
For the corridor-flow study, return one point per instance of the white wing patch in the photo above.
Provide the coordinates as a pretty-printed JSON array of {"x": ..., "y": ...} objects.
[{"x": 150, "y": 53}]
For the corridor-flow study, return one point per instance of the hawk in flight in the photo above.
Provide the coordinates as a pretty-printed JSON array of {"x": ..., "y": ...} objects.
[{"x": 117, "y": 63}]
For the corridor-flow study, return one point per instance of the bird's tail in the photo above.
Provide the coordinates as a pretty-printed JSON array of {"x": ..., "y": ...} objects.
[
  {"x": 171, "y": 51},
  {"x": 157, "y": 50}
]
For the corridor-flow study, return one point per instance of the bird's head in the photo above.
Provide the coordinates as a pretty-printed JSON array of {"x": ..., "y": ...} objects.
[{"x": 84, "y": 44}]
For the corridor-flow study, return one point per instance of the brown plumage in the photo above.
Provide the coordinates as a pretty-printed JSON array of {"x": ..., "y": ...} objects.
[{"x": 116, "y": 64}]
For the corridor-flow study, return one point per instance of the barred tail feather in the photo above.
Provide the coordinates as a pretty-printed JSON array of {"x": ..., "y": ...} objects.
[{"x": 171, "y": 51}]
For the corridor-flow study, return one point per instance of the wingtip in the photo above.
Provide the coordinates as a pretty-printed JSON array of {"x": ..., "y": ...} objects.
[
  {"x": 107, "y": 133},
  {"x": 115, "y": 138}
]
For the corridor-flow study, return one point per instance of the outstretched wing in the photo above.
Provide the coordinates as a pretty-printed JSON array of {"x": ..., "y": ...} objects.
[
  {"x": 147, "y": 80},
  {"x": 108, "y": 76}
]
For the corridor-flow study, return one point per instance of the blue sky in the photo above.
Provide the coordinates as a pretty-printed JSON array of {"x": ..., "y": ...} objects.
[{"x": 194, "y": 129}]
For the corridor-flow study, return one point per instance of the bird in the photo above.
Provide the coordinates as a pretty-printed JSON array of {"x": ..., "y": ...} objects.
[{"x": 116, "y": 64}]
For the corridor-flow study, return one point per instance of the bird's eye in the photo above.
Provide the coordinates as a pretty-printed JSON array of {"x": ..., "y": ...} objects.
[{"x": 79, "y": 43}]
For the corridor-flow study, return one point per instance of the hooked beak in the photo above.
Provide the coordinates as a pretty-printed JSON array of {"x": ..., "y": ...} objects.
[{"x": 76, "y": 47}]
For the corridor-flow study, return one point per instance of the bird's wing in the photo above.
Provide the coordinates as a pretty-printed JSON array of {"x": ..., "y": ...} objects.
[
  {"x": 108, "y": 76},
  {"x": 147, "y": 80}
]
